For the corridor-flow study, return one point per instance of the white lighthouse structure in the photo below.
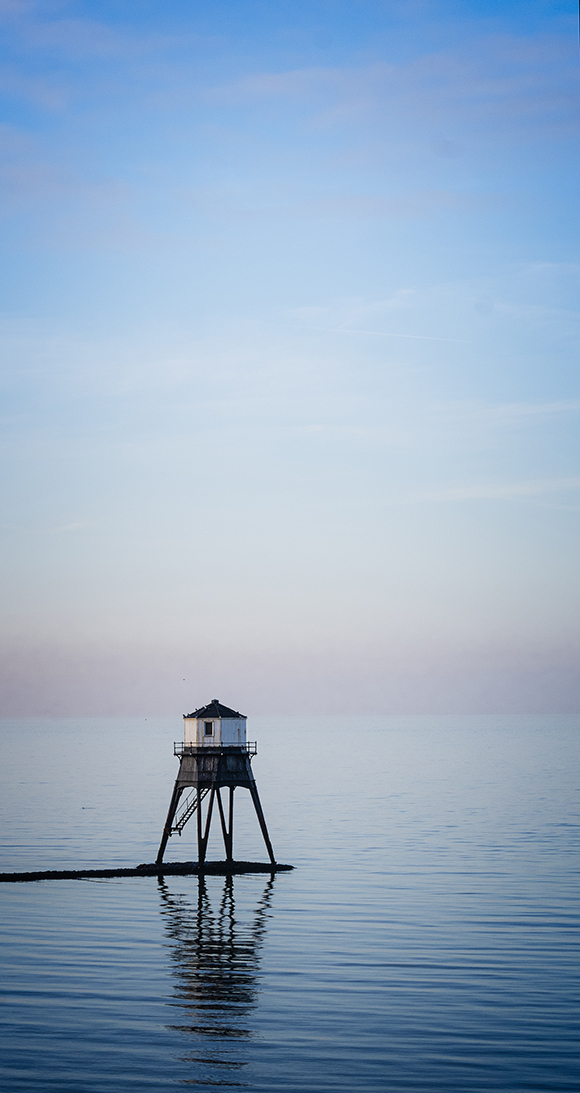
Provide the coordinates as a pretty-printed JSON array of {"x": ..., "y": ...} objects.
[
  {"x": 214, "y": 726},
  {"x": 214, "y": 755}
]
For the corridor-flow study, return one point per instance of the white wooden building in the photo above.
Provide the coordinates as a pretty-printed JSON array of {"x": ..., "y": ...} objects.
[{"x": 214, "y": 725}]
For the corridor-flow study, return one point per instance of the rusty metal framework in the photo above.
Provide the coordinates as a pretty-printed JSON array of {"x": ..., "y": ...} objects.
[{"x": 205, "y": 771}]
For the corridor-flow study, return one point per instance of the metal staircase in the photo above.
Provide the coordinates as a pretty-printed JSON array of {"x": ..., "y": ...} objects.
[{"x": 188, "y": 807}]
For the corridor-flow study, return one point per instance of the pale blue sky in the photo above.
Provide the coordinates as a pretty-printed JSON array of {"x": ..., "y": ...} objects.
[{"x": 290, "y": 352}]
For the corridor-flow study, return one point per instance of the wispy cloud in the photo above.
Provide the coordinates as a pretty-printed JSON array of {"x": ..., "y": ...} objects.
[
  {"x": 387, "y": 334},
  {"x": 76, "y": 525},
  {"x": 75, "y": 39},
  {"x": 49, "y": 92},
  {"x": 501, "y": 491},
  {"x": 498, "y": 81},
  {"x": 531, "y": 409},
  {"x": 17, "y": 7}
]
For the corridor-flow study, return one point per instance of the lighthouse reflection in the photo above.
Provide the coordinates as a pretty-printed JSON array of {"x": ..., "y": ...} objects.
[{"x": 216, "y": 955}]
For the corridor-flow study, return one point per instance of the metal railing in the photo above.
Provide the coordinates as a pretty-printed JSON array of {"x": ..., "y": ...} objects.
[{"x": 180, "y": 747}]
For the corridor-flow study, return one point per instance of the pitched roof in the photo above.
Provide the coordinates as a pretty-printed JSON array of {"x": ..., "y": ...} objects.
[{"x": 215, "y": 709}]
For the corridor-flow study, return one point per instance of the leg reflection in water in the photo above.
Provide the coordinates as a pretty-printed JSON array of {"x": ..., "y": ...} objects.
[{"x": 216, "y": 963}]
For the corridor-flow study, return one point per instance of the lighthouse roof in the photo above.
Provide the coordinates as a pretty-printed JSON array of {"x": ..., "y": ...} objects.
[{"x": 216, "y": 709}]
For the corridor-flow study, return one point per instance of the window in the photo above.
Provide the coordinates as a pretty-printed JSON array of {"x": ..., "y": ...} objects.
[{"x": 208, "y": 728}]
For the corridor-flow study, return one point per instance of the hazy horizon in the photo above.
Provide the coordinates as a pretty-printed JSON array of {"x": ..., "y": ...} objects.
[{"x": 290, "y": 341}]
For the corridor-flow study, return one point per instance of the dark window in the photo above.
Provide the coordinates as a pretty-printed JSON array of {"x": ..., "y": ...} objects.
[{"x": 208, "y": 731}]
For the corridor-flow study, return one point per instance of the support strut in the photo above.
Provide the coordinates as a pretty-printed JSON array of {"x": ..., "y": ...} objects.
[
  {"x": 262, "y": 821},
  {"x": 202, "y": 838},
  {"x": 177, "y": 791},
  {"x": 228, "y": 833}
]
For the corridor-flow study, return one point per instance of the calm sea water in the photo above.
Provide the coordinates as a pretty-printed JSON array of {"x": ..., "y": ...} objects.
[{"x": 427, "y": 939}]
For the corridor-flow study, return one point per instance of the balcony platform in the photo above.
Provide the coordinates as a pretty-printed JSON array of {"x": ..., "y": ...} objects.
[{"x": 180, "y": 748}]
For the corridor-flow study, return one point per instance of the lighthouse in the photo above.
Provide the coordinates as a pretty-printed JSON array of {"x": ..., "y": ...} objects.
[{"x": 213, "y": 756}]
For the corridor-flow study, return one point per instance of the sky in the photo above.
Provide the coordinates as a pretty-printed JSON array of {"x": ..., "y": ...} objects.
[{"x": 289, "y": 333}]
